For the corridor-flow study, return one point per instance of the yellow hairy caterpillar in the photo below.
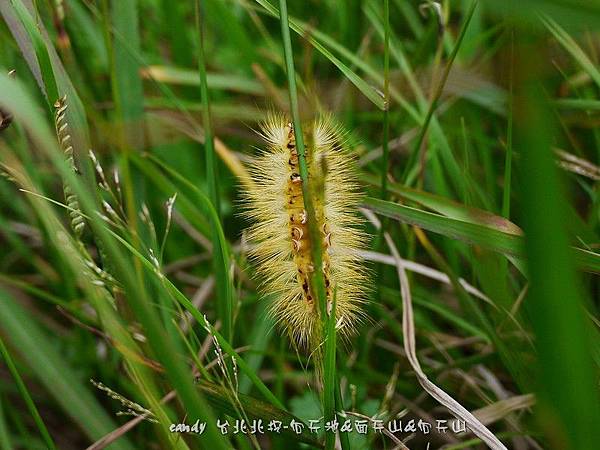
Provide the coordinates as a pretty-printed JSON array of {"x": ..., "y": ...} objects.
[{"x": 281, "y": 250}]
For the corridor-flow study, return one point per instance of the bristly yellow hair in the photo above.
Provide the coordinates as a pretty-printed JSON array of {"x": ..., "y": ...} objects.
[{"x": 281, "y": 251}]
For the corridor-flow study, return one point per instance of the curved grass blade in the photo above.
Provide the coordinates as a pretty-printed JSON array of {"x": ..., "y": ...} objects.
[
  {"x": 25, "y": 394},
  {"x": 50, "y": 368},
  {"x": 490, "y": 238},
  {"x": 224, "y": 283},
  {"x": 188, "y": 305},
  {"x": 410, "y": 346},
  {"x": 369, "y": 91},
  {"x": 162, "y": 345},
  {"x": 448, "y": 207},
  {"x": 224, "y": 305},
  {"x": 217, "y": 81},
  {"x": 573, "y": 48},
  {"x": 50, "y": 87}
]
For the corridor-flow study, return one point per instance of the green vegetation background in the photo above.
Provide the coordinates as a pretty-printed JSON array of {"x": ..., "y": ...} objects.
[{"x": 475, "y": 129}]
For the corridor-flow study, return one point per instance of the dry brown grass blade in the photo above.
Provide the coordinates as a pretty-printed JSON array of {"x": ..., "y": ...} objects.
[
  {"x": 577, "y": 165},
  {"x": 500, "y": 409},
  {"x": 426, "y": 271},
  {"x": 408, "y": 329}
]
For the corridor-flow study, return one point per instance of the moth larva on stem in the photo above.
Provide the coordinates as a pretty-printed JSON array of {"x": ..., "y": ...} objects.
[{"x": 274, "y": 202}]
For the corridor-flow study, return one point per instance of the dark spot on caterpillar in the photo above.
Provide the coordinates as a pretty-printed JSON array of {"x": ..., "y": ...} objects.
[
  {"x": 327, "y": 283},
  {"x": 297, "y": 233},
  {"x": 291, "y": 145},
  {"x": 295, "y": 178},
  {"x": 305, "y": 286}
]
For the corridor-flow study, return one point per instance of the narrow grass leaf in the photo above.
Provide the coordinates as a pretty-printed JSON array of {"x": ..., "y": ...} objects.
[
  {"x": 493, "y": 239},
  {"x": 26, "y": 396},
  {"x": 329, "y": 374},
  {"x": 41, "y": 52},
  {"x": 568, "y": 387},
  {"x": 52, "y": 371},
  {"x": 216, "y": 81},
  {"x": 449, "y": 207},
  {"x": 222, "y": 263},
  {"x": 127, "y": 87},
  {"x": 371, "y": 93}
]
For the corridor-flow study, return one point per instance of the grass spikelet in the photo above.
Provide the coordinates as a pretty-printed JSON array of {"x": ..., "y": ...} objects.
[
  {"x": 64, "y": 139},
  {"x": 132, "y": 408},
  {"x": 282, "y": 250}
]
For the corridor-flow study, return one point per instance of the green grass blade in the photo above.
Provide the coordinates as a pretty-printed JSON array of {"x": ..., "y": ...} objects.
[
  {"x": 566, "y": 379},
  {"x": 339, "y": 407},
  {"x": 224, "y": 305},
  {"x": 25, "y": 394},
  {"x": 41, "y": 52},
  {"x": 163, "y": 348},
  {"x": 509, "y": 146},
  {"x": 369, "y": 92},
  {"x": 573, "y": 48},
  {"x": 386, "y": 93},
  {"x": 490, "y": 238},
  {"x": 437, "y": 93},
  {"x": 307, "y": 193},
  {"x": 448, "y": 207},
  {"x": 329, "y": 373},
  {"x": 51, "y": 370},
  {"x": 215, "y": 81},
  {"x": 221, "y": 258},
  {"x": 578, "y": 104},
  {"x": 127, "y": 87}
]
